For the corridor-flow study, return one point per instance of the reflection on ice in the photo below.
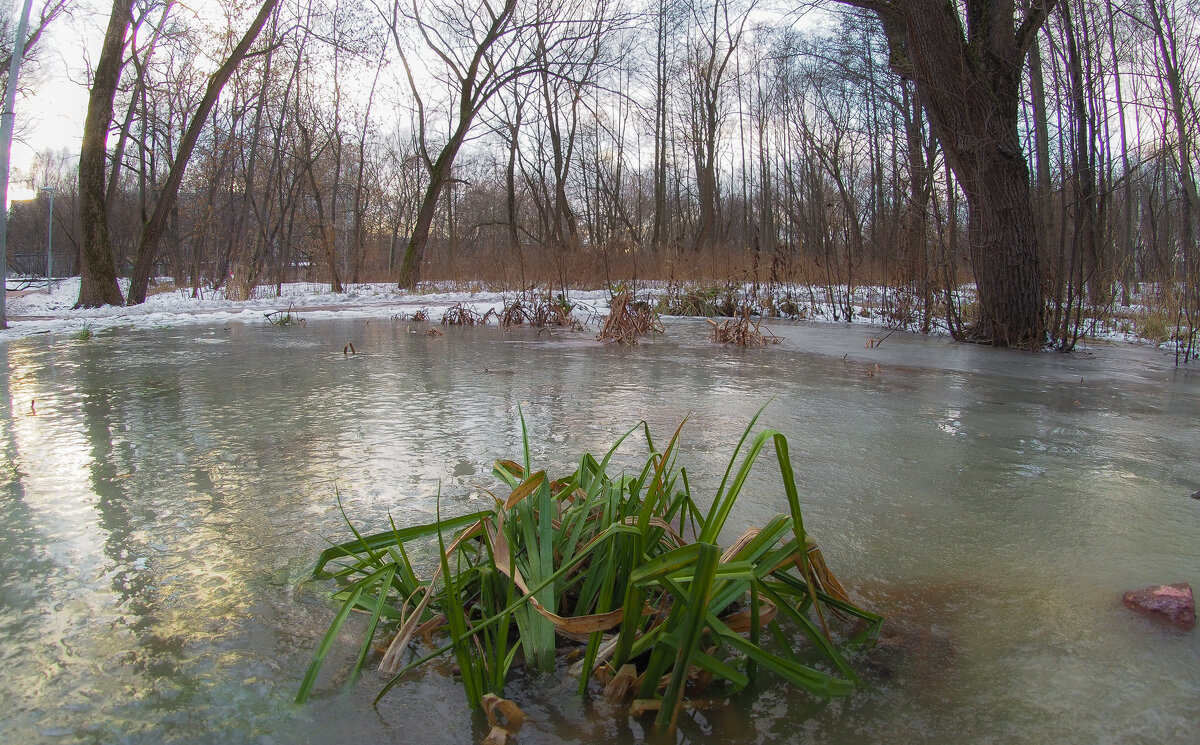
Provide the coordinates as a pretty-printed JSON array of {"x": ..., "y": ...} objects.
[{"x": 160, "y": 507}]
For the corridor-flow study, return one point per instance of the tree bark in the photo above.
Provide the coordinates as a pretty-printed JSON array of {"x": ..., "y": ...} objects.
[
  {"x": 659, "y": 234},
  {"x": 439, "y": 175},
  {"x": 98, "y": 273}
]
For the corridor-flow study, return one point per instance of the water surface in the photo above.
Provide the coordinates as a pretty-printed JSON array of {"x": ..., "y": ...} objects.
[{"x": 163, "y": 492}]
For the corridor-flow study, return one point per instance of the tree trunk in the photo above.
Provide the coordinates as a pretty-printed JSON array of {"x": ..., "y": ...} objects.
[
  {"x": 360, "y": 206},
  {"x": 510, "y": 191},
  {"x": 1003, "y": 249},
  {"x": 139, "y": 87},
  {"x": 1087, "y": 232},
  {"x": 98, "y": 273},
  {"x": 1041, "y": 145},
  {"x": 915, "y": 220},
  {"x": 439, "y": 175},
  {"x": 659, "y": 235},
  {"x": 1127, "y": 260}
]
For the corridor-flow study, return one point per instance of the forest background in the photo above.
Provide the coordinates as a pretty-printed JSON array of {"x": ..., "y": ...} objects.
[{"x": 1010, "y": 171}]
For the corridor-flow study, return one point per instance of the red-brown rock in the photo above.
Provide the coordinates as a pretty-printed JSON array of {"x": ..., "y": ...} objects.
[{"x": 1172, "y": 603}]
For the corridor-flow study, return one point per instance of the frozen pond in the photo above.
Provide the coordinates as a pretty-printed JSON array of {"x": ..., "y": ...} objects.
[{"x": 164, "y": 493}]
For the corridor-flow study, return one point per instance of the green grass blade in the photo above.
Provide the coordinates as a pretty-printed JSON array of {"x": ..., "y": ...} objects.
[
  {"x": 718, "y": 514},
  {"x": 381, "y": 541},
  {"x": 384, "y": 579},
  {"x": 314, "y": 667},
  {"x": 737, "y": 450},
  {"x": 814, "y": 681},
  {"x": 452, "y": 605},
  {"x": 692, "y": 626}
]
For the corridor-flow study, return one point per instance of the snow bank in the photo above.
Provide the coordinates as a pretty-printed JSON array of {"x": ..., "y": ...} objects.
[{"x": 34, "y": 311}]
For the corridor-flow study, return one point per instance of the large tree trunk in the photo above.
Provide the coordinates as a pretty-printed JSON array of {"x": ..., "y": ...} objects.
[
  {"x": 970, "y": 91},
  {"x": 98, "y": 273},
  {"x": 414, "y": 252},
  {"x": 1004, "y": 255},
  {"x": 968, "y": 74}
]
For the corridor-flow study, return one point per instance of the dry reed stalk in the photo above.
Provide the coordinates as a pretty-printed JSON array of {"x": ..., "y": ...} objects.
[
  {"x": 542, "y": 314},
  {"x": 462, "y": 315},
  {"x": 515, "y": 314},
  {"x": 742, "y": 331},
  {"x": 421, "y": 316},
  {"x": 628, "y": 319}
]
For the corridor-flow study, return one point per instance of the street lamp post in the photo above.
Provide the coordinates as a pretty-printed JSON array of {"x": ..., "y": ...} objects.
[{"x": 49, "y": 229}]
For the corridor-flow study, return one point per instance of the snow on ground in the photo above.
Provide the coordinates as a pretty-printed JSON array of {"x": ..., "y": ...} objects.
[{"x": 33, "y": 311}]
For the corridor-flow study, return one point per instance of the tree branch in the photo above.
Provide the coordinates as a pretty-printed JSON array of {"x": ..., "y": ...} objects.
[{"x": 1038, "y": 12}]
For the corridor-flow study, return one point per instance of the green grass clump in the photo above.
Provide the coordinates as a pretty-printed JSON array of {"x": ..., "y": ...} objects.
[
  {"x": 624, "y": 569},
  {"x": 704, "y": 301}
]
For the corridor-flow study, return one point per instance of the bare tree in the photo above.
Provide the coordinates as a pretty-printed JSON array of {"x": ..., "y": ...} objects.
[
  {"x": 1183, "y": 119},
  {"x": 719, "y": 27},
  {"x": 155, "y": 227},
  {"x": 50, "y": 11},
  {"x": 474, "y": 51},
  {"x": 966, "y": 62},
  {"x": 98, "y": 273}
]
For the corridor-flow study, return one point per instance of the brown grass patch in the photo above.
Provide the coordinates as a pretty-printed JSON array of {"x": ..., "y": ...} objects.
[
  {"x": 742, "y": 331},
  {"x": 629, "y": 318}
]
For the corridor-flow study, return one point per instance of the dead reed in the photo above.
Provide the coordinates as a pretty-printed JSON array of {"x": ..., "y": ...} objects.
[
  {"x": 742, "y": 331},
  {"x": 462, "y": 315},
  {"x": 628, "y": 318},
  {"x": 546, "y": 312}
]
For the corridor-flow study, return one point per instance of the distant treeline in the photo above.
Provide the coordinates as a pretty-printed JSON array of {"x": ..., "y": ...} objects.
[{"x": 681, "y": 140}]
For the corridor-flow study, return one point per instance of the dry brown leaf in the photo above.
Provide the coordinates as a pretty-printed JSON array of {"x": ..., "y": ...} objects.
[
  {"x": 512, "y": 467},
  {"x": 524, "y": 490},
  {"x": 576, "y": 627},
  {"x": 391, "y": 659},
  {"x": 622, "y": 684},
  {"x": 497, "y": 736},
  {"x": 501, "y": 712},
  {"x": 425, "y": 630},
  {"x": 740, "y": 544},
  {"x": 699, "y": 678},
  {"x": 601, "y": 671},
  {"x": 658, "y": 522}
]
